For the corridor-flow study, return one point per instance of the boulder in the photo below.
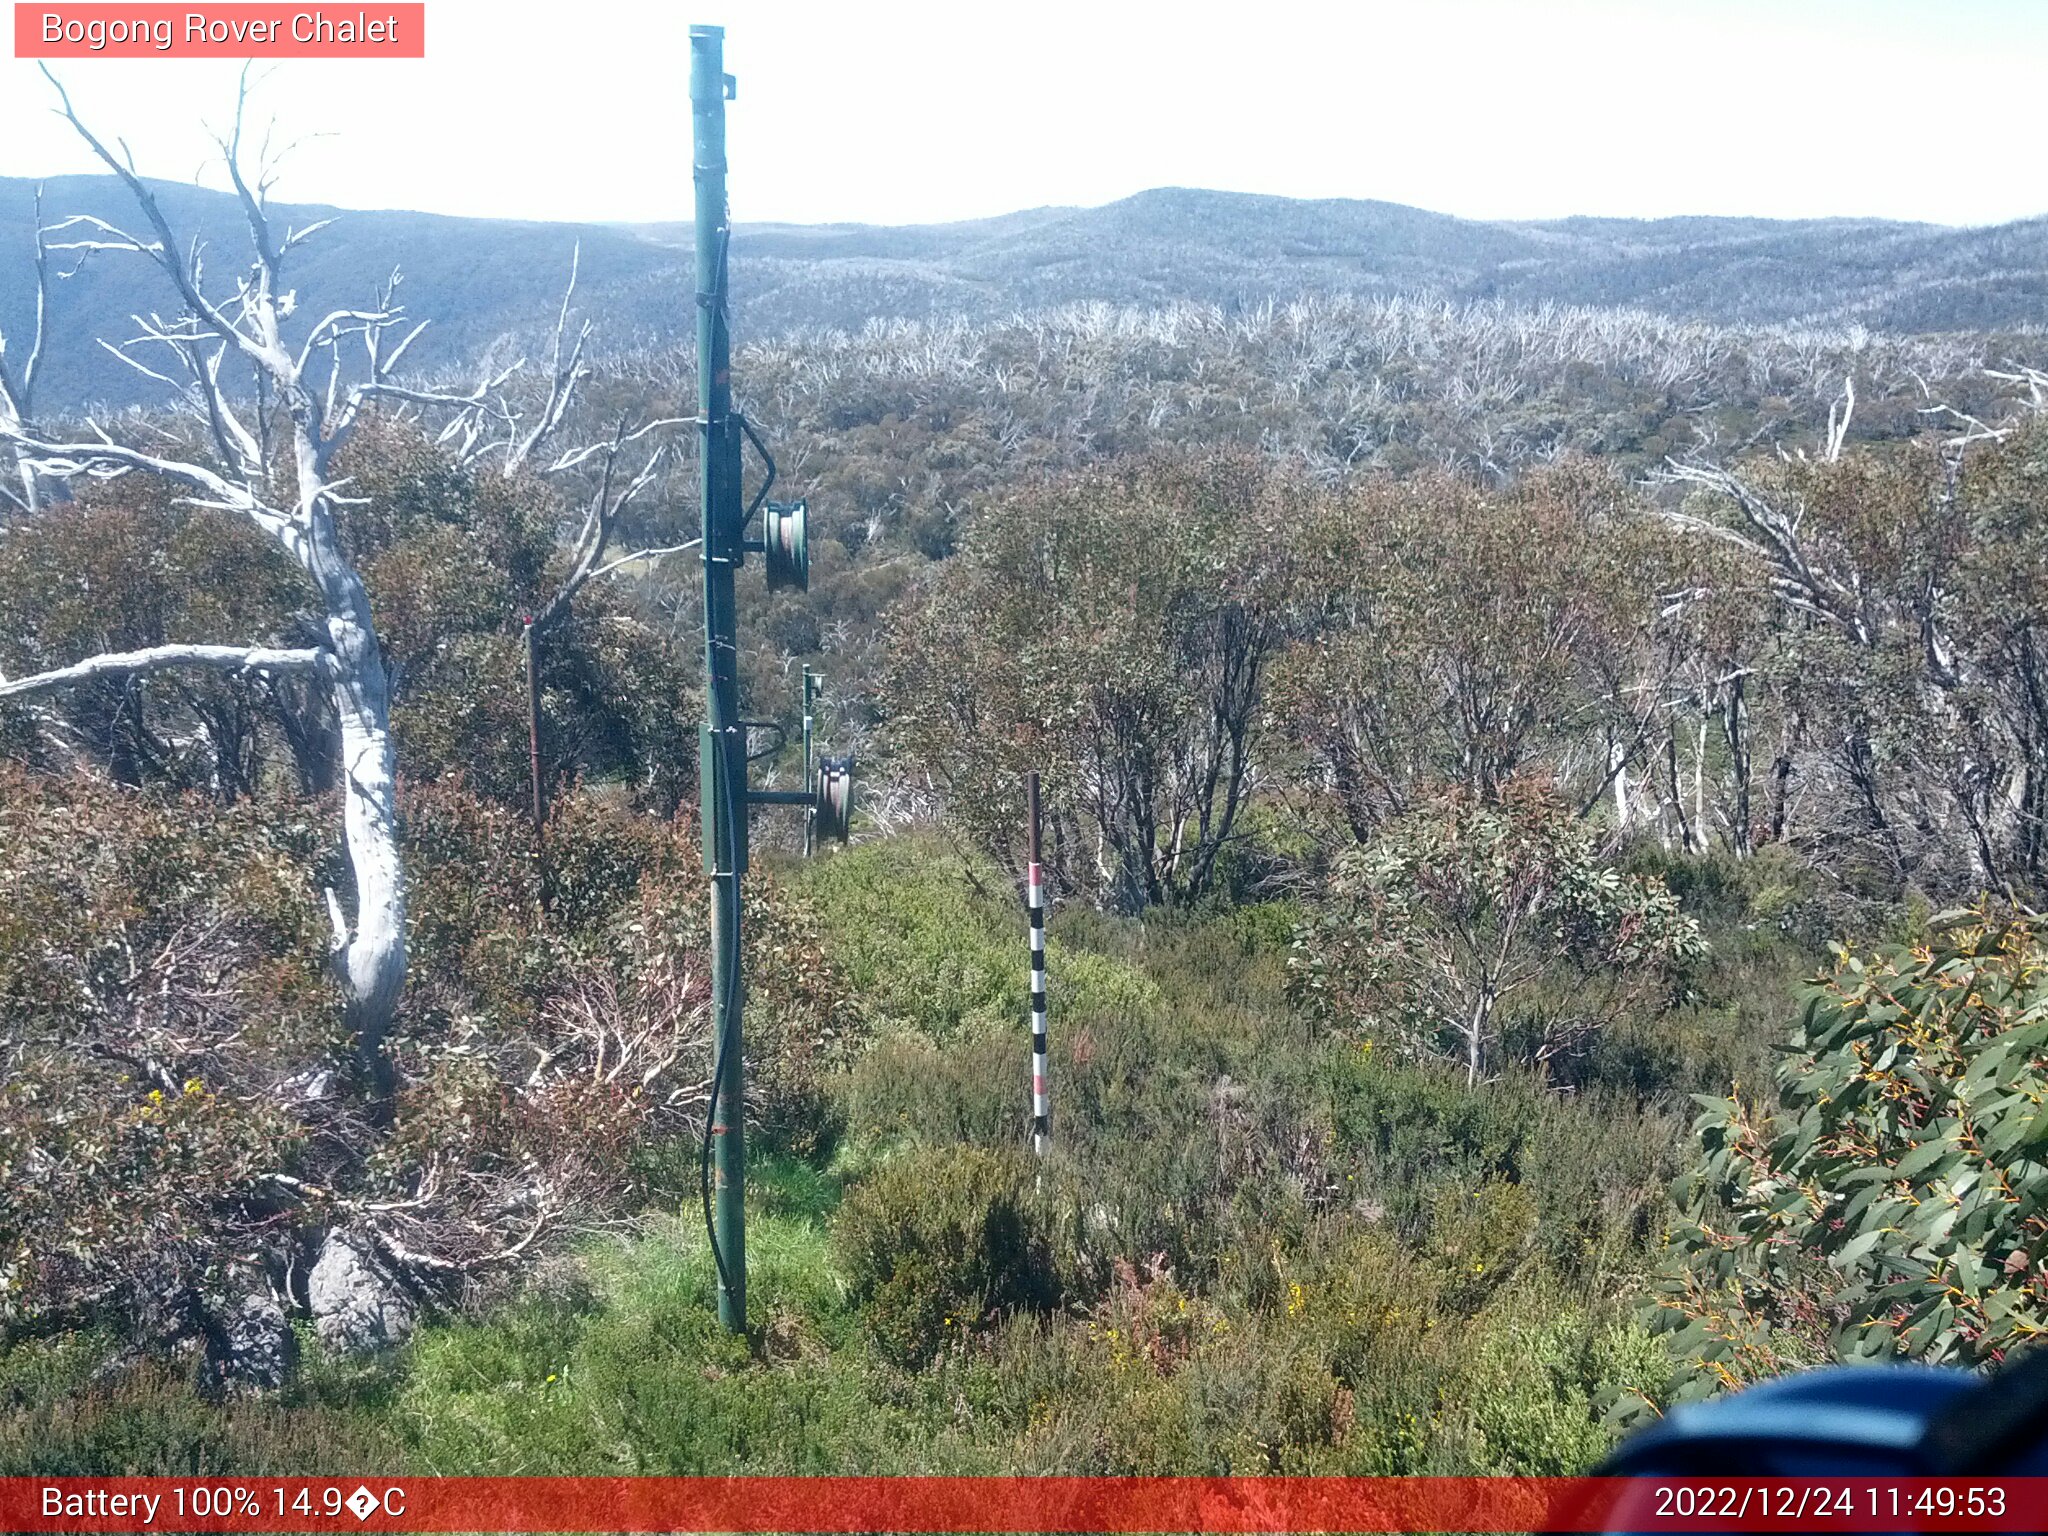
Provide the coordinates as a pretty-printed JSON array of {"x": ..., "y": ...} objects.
[
  {"x": 250, "y": 1347},
  {"x": 357, "y": 1306}
]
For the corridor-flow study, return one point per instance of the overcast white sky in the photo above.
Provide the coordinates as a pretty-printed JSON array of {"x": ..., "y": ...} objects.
[{"x": 899, "y": 111}]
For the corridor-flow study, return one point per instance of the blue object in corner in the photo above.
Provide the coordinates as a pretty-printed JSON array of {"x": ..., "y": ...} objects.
[{"x": 1845, "y": 1421}]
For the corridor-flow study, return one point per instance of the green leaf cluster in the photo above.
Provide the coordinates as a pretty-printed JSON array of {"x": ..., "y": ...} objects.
[{"x": 1898, "y": 1206}]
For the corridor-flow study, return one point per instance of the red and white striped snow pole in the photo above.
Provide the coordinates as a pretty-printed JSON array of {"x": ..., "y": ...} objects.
[{"x": 1034, "y": 900}]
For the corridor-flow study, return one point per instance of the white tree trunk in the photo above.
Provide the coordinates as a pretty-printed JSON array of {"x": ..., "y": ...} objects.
[
  {"x": 370, "y": 951},
  {"x": 1699, "y": 789},
  {"x": 1475, "y": 1034},
  {"x": 372, "y": 955}
]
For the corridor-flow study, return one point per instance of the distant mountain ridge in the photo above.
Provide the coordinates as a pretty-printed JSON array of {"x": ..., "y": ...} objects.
[{"x": 490, "y": 283}]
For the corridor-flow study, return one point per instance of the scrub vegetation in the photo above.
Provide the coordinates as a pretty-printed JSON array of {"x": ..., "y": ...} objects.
[{"x": 1545, "y": 809}]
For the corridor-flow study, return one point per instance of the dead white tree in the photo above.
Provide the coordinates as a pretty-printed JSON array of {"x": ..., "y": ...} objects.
[
  {"x": 296, "y": 505},
  {"x": 1772, "y": 531},
  {"x": 18, "y": 378},
  {"x": 302, "y": 403},
  {"x": 259, "y": 424}
]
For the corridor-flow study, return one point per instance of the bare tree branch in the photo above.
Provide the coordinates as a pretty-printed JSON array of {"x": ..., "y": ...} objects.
[
  {"x": 1775, "y": 532},
  {"x": 106, "y": 459},
  {"x": 163, "y": 658},
  {"x": 600, "y": 519},
  {"x": 161, "y": 251},
  {"x": 563, "y": 377},
  {"x": 638, "y": 555}
]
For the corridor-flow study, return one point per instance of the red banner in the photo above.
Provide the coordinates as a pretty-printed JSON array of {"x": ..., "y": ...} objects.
[
  {"x": 1022, "y": 1504},
  {"x": 235, "y": 31}
]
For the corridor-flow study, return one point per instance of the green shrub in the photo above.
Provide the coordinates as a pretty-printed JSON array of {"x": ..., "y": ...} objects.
[
  {"x": 933, "y": 942},
  {"x": 626, "y": 1370},
  {"x": 1524, "y": 1392},
  {"x": 905, "y": 1088},
  {"x": 1894, "y": 1207},
  {"x": 1595, "y": 1163},
  {"x": 918, "y": 946},
  {"x": 1481, "y": 1238},
  {"x": 1433, "y": 937},
  {"x": 941, "y": 1243}
]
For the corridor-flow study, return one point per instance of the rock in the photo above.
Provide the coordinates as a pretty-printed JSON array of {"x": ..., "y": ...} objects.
[
  {"x": 357, "y": 1306},
  {"x": 249, "y": 1348}
]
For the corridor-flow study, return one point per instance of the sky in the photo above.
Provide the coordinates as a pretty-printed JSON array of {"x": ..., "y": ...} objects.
[{"x": 899, "y": 111}]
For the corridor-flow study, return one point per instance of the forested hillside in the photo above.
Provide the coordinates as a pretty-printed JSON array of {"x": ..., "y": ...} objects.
[
  {"x": 487, "y": 283},
  {"x": 1545, "y": 764}
]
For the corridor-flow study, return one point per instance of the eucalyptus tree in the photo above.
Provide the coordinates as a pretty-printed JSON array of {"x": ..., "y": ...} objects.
[
  {"x": 1904, "y": 589},
  {"x": 1451, "y": 634},
  {"x": 1112, "y": 629}
]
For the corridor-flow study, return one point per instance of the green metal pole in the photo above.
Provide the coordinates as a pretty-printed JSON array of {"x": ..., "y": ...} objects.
[{"x": 722, "y": 760}]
